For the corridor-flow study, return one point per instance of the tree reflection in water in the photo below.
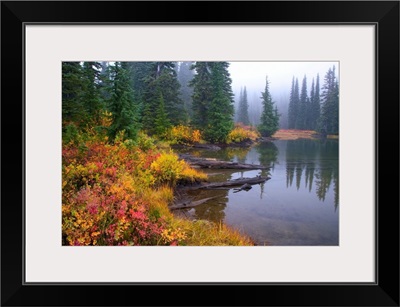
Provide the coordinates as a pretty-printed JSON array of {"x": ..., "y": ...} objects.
[{"x": 318, "y": 160}]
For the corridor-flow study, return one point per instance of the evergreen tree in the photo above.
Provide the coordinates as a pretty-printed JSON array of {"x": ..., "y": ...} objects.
[
  {"x": 294, "y": 105},
  {"x": 161, "y": 78},
  {"x": 185, "y": 75},
  {"x": 168, "y": 85},
  {"x": 161, "y": 121},
  {"x": 150, "y": 98},
  {"x": 314, "y": 105},
  {"x": 329, "y": 119},
  {"x": 243, "y": 110},
  {"x": 139, "y": 73},
  {"x": 124, "y": 109},
  {"x": 92, "y": 99},
  {"x": 73, "y": 89},
  {"x": 220, "y": 112},
  {"x": 104, "y": 81},
  {"x": 296, "y": 98},
  {"x": 269, "y": 122},
  {"x": 302, "y": 122},
  {"x": 227, "y": 87},
  {"x": 202, "y": 93}
]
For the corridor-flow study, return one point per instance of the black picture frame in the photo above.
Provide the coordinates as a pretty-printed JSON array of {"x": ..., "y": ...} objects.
[{"x": 383, "y": 14}]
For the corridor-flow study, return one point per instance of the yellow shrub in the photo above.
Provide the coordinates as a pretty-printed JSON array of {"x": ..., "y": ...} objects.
[
  {"x": 183, "y": 135},
  {"x": 242, "y": 133},
  {"x": 167, "y": 168}
]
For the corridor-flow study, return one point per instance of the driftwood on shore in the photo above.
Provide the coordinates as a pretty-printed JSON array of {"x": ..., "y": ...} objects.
[{"x": 219, "y": 164}]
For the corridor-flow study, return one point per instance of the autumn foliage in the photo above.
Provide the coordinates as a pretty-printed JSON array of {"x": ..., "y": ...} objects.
[
  {"x": 181, "y": 134},
  {"x": 242, "y": 133},
  {"x": 105, "y": 199}
]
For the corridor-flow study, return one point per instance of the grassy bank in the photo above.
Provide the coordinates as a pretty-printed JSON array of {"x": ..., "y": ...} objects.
[{"x": 294, "y": 134}]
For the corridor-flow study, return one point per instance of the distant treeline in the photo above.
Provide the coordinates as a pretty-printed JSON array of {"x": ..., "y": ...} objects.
[{"x": 318, "y": 111}]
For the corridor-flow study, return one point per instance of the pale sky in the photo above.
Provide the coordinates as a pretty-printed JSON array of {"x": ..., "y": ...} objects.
[{"x": 280, "y": 74}]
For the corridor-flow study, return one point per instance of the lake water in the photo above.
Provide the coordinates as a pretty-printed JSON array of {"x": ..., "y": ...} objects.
[{"x": 298, "y": 206}]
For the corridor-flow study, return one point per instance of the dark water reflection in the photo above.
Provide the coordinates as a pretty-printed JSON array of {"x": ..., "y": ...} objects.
[{"x": 299, "y": 205}]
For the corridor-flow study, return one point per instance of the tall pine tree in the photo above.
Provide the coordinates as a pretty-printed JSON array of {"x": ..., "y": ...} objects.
[
  {"x": 302, "y": 122},
  {"x": 94, "y": 104},
  {"x": 104, "y": 81},
  {"x": 329, "y": 119},
  {"x": 122, "y": 104},
  {"x": 314, "y": 105},
  {"x": 169, "y": 86},
  {"x": 202, "y": 93},
  {"x": 73, "y": 89},
  {"x": 243, "y": 108},
  {"x": 161, "y": 122},
  {"x": 294, "y": 105},
  {"x": 220, "y": 112},
  {"x": 269, "y": 122},
  {"x": 140, "y": 72}
]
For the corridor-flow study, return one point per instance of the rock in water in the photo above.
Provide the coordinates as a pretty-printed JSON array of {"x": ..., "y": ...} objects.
[{"x": 246, "y": 186}]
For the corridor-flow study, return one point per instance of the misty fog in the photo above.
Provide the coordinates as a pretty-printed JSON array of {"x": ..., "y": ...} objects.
[{"x": 280, "y": 74}]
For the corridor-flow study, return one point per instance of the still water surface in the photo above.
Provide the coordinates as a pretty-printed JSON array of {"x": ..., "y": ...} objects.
[{"x": 298, "y": 206}]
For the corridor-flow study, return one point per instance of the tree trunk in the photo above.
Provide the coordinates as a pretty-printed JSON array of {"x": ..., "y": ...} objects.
[
  {"x": 232, "y": 183},
  {"x": 218, "y": 164}
]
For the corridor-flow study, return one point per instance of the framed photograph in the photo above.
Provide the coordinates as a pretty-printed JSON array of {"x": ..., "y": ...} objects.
[{"x": 198, "y": 149}]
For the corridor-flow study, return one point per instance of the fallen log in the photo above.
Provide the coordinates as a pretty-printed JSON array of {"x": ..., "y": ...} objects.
[
  {"x": 199, "y": 146},
  {"x": 206, "y": 146},
  {"x": 219, "y": 164},
  {"x": 234, "y": 183},
  {"x": 191, "y": 204}
]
